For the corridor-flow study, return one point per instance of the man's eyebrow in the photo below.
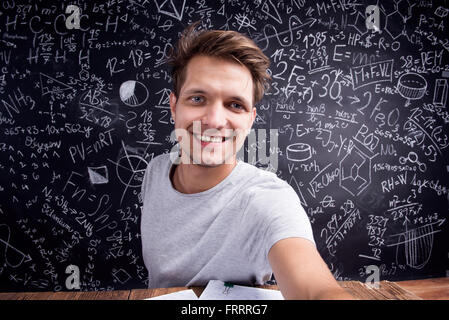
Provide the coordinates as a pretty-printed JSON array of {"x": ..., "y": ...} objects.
[
  {"x": 194, "y": 91},
  {"x": 241, "y": 99},
  {"x": 201, "y": 91}
]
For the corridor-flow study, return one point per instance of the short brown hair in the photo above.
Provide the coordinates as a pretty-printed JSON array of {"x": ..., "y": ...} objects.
[{"x": 229, "y": 45}]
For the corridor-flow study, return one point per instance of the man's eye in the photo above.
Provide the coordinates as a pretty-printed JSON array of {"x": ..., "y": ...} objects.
[
  {"x": 237, "y": 106},
  {"x": 196, "y": 99}
]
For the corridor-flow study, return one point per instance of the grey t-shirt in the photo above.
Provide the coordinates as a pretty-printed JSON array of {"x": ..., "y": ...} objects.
[{"x": 223, "y": 233}]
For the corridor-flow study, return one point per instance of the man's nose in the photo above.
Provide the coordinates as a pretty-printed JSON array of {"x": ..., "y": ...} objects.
[{"x": 215, "y": 116}]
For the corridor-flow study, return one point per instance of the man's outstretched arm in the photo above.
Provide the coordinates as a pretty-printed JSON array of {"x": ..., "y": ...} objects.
[{"x": 301, "y": 273}]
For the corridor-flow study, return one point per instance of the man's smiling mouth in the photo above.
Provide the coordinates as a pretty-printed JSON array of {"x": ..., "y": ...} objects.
[{"x": 212, "y": 139}]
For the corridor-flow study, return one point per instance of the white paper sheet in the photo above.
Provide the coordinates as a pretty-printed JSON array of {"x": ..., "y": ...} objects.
[
  {"x": 216, "y": 290},
  {"x": 179, "y": 295}
]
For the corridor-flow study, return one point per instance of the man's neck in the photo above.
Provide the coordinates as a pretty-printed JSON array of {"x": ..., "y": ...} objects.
[{"x": 192, "y": 178}]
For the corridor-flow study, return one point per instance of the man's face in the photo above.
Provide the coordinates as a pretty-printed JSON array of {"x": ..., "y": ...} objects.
[{"x": 214, "y": 111}]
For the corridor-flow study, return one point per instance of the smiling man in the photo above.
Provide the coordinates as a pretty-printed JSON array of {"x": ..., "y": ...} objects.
[
  {"x": 213, "y": 112},
  {"x": 207, "y": 215}
]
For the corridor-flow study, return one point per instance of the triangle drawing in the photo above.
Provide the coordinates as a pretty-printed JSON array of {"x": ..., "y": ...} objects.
[
  {"x": 259, "y": 120},
  {"x": 98, "y": 175},
  {"x": 295, "y": 185},
  {"x": 51, "y": 85},
  {"x": 270, "y": 9},
  {"x": 172, "y": 8}
]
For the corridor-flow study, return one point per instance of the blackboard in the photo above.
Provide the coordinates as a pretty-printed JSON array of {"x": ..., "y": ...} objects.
[{"x": 358, "y": 115}]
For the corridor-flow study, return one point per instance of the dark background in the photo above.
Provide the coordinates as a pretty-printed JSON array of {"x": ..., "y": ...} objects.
[{"x": 361, "y": 117}]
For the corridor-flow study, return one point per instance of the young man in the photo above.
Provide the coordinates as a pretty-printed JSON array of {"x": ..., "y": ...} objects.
[{"x": 207, "y": 215}]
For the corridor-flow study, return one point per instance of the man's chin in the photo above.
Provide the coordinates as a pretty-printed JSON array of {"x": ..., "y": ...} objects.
[
  {"x": 207, "y": 165},
  {"x": 211, "y": 161}
]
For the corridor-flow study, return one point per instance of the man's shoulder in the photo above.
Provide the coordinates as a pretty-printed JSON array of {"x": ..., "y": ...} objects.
[
  {"x": 160, "y": 159},
  {"x": 266, "y": 185},
  {"x": 268, "y": 197},
  {"x": 261, "y": 176},
  {"x": 157, "y": 164}
]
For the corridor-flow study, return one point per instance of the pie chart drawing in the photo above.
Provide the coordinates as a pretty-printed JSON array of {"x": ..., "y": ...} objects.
[
  {"x": 133, "y": 93},
  {"x": 130, "y": 170}
]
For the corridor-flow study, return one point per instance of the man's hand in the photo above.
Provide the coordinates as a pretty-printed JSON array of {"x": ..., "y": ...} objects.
[{"x": 301, "y": 273}]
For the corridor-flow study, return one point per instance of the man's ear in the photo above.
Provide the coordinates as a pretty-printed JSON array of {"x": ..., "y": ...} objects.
[
  {"x": 173, "y": 100},
  {"x": 253, "y": 115}
]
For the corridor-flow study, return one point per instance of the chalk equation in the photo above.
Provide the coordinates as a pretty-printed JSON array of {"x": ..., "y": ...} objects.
[{"x": 356, "y": 121}]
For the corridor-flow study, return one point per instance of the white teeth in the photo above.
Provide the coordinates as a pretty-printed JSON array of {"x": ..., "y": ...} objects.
[{"x": 209, "y": 139}]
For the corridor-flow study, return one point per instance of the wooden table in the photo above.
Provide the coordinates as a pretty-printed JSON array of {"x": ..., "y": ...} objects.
[{"x": 435, "y": 289}]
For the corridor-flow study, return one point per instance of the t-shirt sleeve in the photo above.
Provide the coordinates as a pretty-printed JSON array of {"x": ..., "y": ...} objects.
[
  {"x": 283, "y": 217},
  {"x": 146, "y": 180}
]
